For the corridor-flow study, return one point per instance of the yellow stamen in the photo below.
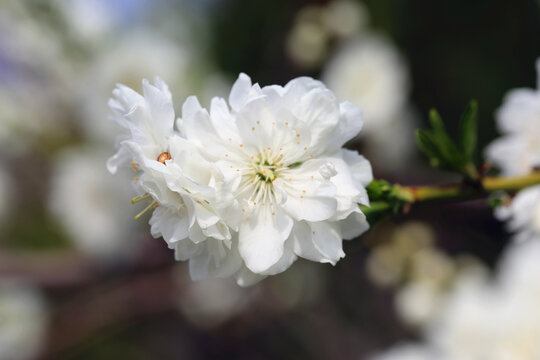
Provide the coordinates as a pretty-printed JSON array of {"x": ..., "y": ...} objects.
[
  {"x": 150, "y": 206},
  {"x": 138, "y": 198}
]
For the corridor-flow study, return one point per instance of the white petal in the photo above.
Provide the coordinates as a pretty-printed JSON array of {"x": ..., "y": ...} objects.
[
  {"x": 228, "y": 265},
  {"x": 160, "y": 107},
  {"x": 354, "y": 225},
  {"x": 240, "y": 92},
  {"x": 359, "y": 167},
  {"x": 349, "y": 125},
  {"x": 214, "y": 259},
  {"x": 121, "y": 158},
  {"x": 327, "y": 239},
  {"x": 349, "y": 191},
  {"x": 196, "y": 234},
  {"x": 190, "y": 107},
  {"x": 299, "y": 87},
  {"x": 287, "y": 259},
  {"x": 223, "y": 121},
  {"x": 171, "y": 224},
  {"x": 309, "y": 197},
  {"x": 199, "y": 130},
  {"x": 126, "y": 98},
  {"x": 318, "y": 241},
  {"x": 316, "y": 205},
  {"x": 254, "y": 123},
  {"x": 319, "y": 110},
  {"x": 261, "y": 238},
  {"x": 303, "y": 245}
]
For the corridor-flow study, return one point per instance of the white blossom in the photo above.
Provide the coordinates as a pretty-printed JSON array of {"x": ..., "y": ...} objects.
[
  {"x": 495, "y": 320},
  {"x": 251, "y": 185},
  {"x": 371, "y": 73},
  {"x": 522, "y": 214},
  {"x": 518, "y": 150},
  {"x": 87, "y": 20},
  {"x": 89, "y": 204},
  {"x": 23, "y": 322}
]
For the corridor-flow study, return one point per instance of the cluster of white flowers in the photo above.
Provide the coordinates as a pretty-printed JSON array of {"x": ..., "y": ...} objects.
[
  {"x": 246, "y": 189},
  {"x": 517, "y": 152},
  {"x": 483, "y": 318}
]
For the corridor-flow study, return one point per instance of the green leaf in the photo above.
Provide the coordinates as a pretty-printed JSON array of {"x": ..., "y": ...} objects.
[
  {"x": 468, "y": 131},
  {"x": 436, "y": 122},
  {"x": 451, "y": 155},
  {"x": 426, "y": 144}
]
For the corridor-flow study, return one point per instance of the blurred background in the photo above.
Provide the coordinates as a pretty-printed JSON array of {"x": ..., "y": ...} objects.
[{"x": 80, "y": 279}]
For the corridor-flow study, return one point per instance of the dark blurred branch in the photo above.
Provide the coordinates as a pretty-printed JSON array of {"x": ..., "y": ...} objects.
[
  {"x": 107, "y": 305},
  {"x": 47, "y": 269}
]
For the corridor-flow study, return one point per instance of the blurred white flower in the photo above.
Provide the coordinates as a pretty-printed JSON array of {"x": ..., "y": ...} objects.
[
  {"x": 307, "y": 42},
  {"x": 91, "y": 205},
  {"x": 496, "y": 319},
  {"x": 32, "y": 61},
  {"x": 23, "y": 321},
  {"x": 519, "y": 272},
  {"x": 25, "y": 39},
  {"x": 371, "y": 73},
  {"x": 87, "y": 20},
  {"x": 141, "y": 54},
  {"x": 418, "y": 302},
  {"x": 522, "y": 214},
  {"x": 393, "y": 261},
  {"x": 247, "y": 189},
  {"x": 316, "y": 26},
  {"x": 518, "y": 150}
]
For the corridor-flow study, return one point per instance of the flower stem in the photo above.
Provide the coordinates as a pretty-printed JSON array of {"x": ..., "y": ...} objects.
[
  {"x": 397, "y": 198},
  {"x": 464, "y": 191}
]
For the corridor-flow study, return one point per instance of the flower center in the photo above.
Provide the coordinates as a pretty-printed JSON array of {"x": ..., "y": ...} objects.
[{"x": 265, "y": 171}]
